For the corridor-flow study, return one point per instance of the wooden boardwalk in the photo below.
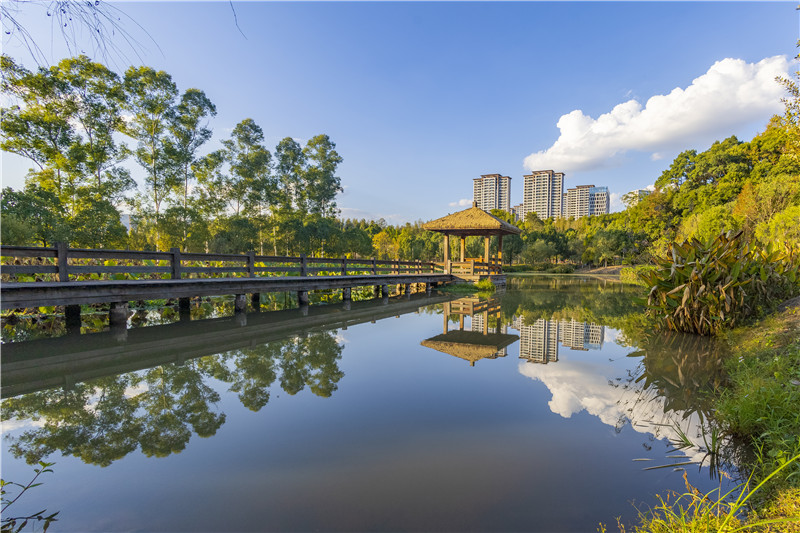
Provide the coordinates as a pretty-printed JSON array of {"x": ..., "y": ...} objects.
[{"x": 62, "y": 276}]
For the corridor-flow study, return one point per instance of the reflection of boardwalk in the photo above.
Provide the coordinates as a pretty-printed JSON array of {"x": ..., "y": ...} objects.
[{"x": 539, "y": 341}]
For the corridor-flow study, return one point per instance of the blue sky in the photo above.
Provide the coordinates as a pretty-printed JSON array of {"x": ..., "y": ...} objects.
[{"x": 422, "y": 97}]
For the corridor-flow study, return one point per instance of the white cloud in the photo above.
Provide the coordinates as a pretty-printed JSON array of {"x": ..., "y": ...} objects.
[
  {"x": 464, "y": 202},
  {"x": 733, "y": 93}
]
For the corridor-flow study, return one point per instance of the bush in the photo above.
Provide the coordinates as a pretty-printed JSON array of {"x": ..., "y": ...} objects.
[
  {"x": 704, "y": 288},
  {"x": 631, "y": 274}
]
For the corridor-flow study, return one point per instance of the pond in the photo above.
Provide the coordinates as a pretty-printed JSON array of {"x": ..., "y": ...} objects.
[{"x": 547, "y": 407}]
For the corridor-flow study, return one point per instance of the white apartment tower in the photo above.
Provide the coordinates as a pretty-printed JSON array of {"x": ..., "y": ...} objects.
[
  {"x": 543, "y": 194},
  {"x": 586, "y": 200},
  {"x": 492, "y": 191}
]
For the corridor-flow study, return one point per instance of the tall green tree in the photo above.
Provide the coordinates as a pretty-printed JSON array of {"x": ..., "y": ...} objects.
[
  {"x": 151, "y": 101},
  {"x": 319, "y": 179},
  {"x": 289, "y": 167}
]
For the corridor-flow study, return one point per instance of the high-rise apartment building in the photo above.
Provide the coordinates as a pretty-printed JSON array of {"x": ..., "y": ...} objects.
[
  {"x": 543, "y": 194},
  {"x": 492, "y": 191},
  {"x": 586, "y": 200}
]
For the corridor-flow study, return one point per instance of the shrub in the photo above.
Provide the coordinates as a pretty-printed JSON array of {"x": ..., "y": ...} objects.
[{"x": 704, "y": 288}]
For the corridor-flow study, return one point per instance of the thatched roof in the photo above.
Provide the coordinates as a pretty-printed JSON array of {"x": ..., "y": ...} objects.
[
  {"x": 472, "y": 221},
  {"x": 470, "y": 345}
]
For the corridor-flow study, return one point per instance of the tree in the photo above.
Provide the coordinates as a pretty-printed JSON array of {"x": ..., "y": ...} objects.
[
  {"x": 188, "y": 133},
  {"x": 151, "y": 99},
  {"x": 320, "y": 182},
  {"x": 97, "y": 224},
  {"x": 250, "y": 183},
  {"x": 39, "y": 210},
  {"x": 289, "y": 165},
  {"x": 38, "y": 127}
]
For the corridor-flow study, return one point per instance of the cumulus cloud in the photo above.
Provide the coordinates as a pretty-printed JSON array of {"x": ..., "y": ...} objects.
[
  {"x": 733, "y": 93},
  {"x": 464, "y": 202},
  {"x": 615, "y": 201}
]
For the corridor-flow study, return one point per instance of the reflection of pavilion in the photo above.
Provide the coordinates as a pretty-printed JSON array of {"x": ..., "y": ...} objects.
[
  {"x": 480, "y": 343},
  {"x": 539, "y": 341}
]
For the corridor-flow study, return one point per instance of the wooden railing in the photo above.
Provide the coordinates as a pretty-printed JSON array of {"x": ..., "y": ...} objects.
[
  {"x": 471, "y": 268},
  {"x": 61, "y": 263}
]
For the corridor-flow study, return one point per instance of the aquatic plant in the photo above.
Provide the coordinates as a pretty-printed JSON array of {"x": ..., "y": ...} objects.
[{"x": 705, "y": 288}]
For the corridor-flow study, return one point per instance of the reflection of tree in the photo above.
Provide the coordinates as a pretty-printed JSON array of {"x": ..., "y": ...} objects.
[
  {"x": 158, "y": 410},
  {"x": 94, "y": 421},
  {"x": 175, "y": 398},
  {"x": 684, "y": 369}
]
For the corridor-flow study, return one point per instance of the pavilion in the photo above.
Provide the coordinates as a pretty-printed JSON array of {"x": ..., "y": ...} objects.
[{"x": 473, "y": 222}]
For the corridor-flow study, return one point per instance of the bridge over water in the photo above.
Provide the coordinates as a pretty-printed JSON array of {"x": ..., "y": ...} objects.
[{"x": 62, "y": 276}]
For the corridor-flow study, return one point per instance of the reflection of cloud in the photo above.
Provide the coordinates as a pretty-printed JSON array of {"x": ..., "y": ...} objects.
[
  {"x": 593, "y": 387},
  {"x": 13, "y": 425},
  {"x": 610, "y": 335}
]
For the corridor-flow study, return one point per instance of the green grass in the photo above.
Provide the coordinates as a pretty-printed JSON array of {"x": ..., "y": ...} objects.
[{"x": 762, "y": 403}]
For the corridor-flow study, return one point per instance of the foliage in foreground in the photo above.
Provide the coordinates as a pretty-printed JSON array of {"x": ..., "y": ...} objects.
[
  {"x": 761, "y": 402},
  {"x": 693, "y": 511},
  {"x": 15, "y": 524},
  {"x": 708, "y": 287}
]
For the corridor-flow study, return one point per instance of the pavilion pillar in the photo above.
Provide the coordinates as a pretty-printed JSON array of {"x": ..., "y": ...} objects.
[
  {"x": 463, "y": 248},
  {"x": 486, "y": 249},
  {"x": 446, "y": 253},
  {"x": 486, "y": 322},
  {"x": 500, "y": 251}
]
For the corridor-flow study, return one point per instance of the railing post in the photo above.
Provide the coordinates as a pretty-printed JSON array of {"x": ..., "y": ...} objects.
[
  {"x": 176, "y": 263},
  {"x": 251, "y": 264},
  {"x": 62, "y": 252},
  {"x": 344, "y": 266},
  {"x": 374, "y": 267},
  {"x": 303, "y": 265}
]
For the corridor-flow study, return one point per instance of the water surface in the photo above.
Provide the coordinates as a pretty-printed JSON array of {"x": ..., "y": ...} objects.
[{"x": 536, "y": 410}]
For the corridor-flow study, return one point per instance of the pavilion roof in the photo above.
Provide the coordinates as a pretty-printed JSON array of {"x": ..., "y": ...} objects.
[
  {"x": 472, "y": 221},
  {"x": 471, "y": 346}
]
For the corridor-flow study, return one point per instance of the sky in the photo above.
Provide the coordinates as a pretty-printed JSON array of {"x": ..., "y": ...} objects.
[{"x": 423, "y": 97}]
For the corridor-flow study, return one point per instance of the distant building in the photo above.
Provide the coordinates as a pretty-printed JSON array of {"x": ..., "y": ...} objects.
[
  {"x": 492, "y": 191},
  {"x": 543, "y": 194},
  {"x": 586, "y": 200},
  {"x": 634, "y": 197},
  {"x": 517, "y": 212}
]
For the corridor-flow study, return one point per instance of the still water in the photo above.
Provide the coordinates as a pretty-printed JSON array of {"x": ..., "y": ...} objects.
[{"x": 543, "y": 408}]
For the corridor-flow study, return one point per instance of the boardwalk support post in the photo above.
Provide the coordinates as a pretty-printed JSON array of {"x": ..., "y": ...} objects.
[
  {"x": 118, "y": 315},
  {"x": 384, "y": 291},
  {"x": 346, "y": 294},
  {"x": 255, "y": 301},
  {"x": 302, "y": 298},
  {"x": 72, "y": 317},
  {"x": 239, "y": 303}
]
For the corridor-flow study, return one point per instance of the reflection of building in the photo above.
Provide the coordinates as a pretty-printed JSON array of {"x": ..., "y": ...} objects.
[
  {"x": 581, "y": 335},
  {"x": 586, "y": 200},
  {"x": 479, "y": 343},
  {"x": 480, "y": 323},
  {"x": 492, "y": 191},
  {"x": 539, "y": 341},
  {"x": 543, "y": 194}
]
